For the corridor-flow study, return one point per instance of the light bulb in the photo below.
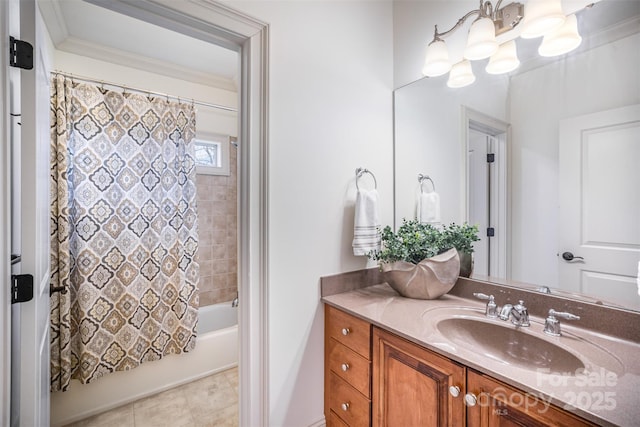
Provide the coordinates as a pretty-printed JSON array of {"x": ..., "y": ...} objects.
[
  {"x": 481, "y": 42},
  {"x": 436, "y": 62},
  {"x": 461, "y": 75},
  {"x": 504, "y": 60},
  {"x": 563, "y": 40},
  {"x": 541, "y": 17}
]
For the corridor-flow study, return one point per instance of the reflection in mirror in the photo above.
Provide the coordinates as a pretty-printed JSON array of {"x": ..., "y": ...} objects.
[{"x": 565, "y": 134}]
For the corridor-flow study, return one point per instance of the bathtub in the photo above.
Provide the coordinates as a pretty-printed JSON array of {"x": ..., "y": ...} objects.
[{"x": 216, "y": 350}]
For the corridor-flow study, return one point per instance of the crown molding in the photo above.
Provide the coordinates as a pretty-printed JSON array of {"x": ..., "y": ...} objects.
[
  {"x": 100, "y": 52},
  {"x": 54, "y": 20}
]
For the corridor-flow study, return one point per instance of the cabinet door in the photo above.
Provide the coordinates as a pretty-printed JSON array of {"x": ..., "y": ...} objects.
[
  {"x": 498, "y": 404},
  {"x": 411, "y": 385}
]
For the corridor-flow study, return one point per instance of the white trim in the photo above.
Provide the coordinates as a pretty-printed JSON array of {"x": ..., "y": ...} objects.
[
  {"x": 116, "y": 56},
  {"x": 320, "y": 423},
  {"x": 220, "y": 24},
  {"x": 53, "y": 15},
  {"x": 5, "y": 221},
  {"x": 503, "y": 129},
  {"x": 254, "y": 226}
]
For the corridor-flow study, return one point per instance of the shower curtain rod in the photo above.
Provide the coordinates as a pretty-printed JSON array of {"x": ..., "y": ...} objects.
[{"x": 148, "y": 92}]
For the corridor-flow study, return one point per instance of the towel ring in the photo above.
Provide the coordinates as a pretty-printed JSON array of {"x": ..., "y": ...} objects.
[
  {"x": 422, "y": 179},
  {"x": 362, "y": 171}
]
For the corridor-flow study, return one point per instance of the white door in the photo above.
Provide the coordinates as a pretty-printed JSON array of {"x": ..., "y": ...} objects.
[
  {"x": 486, "y": 202},
  {"x": 30, "y": 228},
  {"x": 599, "y": 191},
  {"x": 479, "y": 198}
]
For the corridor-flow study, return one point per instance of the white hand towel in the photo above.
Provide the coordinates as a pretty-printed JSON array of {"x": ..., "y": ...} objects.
[
  {"x": 428, "y": 207},
  {"x": 366, "y": 230}
]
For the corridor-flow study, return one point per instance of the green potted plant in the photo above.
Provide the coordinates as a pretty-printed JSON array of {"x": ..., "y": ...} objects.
[
  {"x": 423, "y": 261},
  {"x": 462, "y": 238}
]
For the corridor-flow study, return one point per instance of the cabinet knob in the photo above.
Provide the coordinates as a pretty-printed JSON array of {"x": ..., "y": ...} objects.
[
  {"x": 345, "y": 367},
  {"x": 470, "y": 399},
  {"x": 454, "y": 391},
  {"x": 346, "y": 331},
  {"x": 345, "y": 406}
]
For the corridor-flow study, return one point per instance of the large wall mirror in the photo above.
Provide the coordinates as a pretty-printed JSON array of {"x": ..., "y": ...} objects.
[{"x": 563, "y": 192}]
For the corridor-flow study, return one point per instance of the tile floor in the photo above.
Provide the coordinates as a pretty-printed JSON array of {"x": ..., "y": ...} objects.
[{"x": 208, "y": 402}]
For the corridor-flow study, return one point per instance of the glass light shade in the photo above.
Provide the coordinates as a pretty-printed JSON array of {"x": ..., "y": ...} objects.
[
  {"x": 541, "y": 17},
  {"x": 481, "y": 42},
  {"x": 504, "y": 60},
  {"x": 461, "y": 75},
  {"x": 436, "y": 63},
  {"x": 562, "y": 40}
]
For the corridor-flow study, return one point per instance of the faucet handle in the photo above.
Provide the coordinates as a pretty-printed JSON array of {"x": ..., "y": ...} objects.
[
  {"x": 552, "y": 324},
  {"x": 482, "y": 296},
  {"x": 563, "y": 315},
  {"x": 492, "y": 307}
]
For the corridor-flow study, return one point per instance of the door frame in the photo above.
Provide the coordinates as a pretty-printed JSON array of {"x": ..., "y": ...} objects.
[
  {"x": 493, "y": 127},
  {"x": 5, "y": 223},
  {"x": 217, "y": 23}
]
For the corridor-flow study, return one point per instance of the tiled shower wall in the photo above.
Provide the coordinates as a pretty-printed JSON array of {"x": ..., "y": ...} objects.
[{"x": 218, "y": 229}]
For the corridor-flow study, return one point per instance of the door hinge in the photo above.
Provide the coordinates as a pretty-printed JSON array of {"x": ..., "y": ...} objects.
[
  {"x": 491, "y": 157},
  {"x": 20, "y": 54},
  {"x": 491, "y": 232},
  {"x": 21, "y": 288}
]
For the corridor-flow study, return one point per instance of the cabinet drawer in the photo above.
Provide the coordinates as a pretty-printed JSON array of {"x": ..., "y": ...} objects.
[
  {"x": 335, "y": 421},
  {"x": 356, "y": 409},
  {"x": 350, "y": 331},
  {"x": 350, "y": 366}
]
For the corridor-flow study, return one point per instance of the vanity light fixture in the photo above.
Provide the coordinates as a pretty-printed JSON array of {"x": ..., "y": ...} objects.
[
  {"x": 537, "y": 18},
  {"x": 562, "y": 40},
  {"x": 461, "y": 75}
]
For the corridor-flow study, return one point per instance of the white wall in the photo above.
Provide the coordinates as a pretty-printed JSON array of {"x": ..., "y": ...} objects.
[
  {"x": 330, "y": 112},
  {"x": 599, "y": 79},
  {"x": 207, "y": 119}
]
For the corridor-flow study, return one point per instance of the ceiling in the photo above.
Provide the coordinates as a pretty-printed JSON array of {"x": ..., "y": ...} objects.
[{"x": 78, "y": 27}]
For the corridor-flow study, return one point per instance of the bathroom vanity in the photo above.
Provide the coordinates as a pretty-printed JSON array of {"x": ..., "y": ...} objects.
[{"x": 391, "y": 361}]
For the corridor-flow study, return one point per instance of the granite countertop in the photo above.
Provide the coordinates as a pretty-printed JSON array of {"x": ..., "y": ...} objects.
[{"x": 605, "y": 392}]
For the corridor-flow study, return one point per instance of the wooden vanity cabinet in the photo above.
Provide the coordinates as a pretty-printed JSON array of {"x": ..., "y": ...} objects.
[
  {"x": 347, "y": 367},
  {"x": 373, "y": 377},
  {"x": 411, "y": 385},
  {"x": 498, "y": 404}
]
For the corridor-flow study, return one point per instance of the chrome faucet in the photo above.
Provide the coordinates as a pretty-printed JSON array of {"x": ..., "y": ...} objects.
[
  {"x": 234, "y": 303},
  {"x": 518, "y": 313},
  {"x": 552, "y": 324}
]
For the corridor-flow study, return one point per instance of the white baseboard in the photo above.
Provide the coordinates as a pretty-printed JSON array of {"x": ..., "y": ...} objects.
[{"x": 320, "y": 423}]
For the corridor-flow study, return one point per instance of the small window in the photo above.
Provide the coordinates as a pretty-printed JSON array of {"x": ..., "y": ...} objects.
[{"x": 212, "y": 155}]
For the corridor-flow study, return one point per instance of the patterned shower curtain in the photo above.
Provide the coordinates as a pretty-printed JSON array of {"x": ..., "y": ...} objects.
[{"x": 123, "y": 230}]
